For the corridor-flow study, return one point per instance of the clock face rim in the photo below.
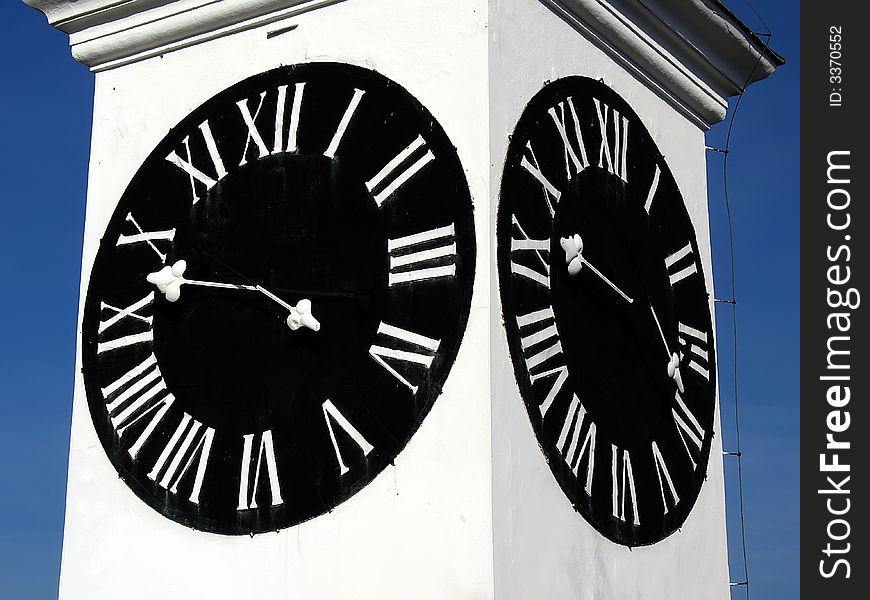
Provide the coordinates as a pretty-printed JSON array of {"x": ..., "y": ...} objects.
[
  {"x": 534, "y": 115},
  {"x": 397, "y": 98}
]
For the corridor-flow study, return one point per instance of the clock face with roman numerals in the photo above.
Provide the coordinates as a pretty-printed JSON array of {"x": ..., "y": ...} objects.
[
  {"x": 278, "y": 298},
  {"x": 606, "y": 311}
]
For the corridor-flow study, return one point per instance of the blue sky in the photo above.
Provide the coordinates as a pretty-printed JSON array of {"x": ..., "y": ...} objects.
[{"x": 46, "y": 108}]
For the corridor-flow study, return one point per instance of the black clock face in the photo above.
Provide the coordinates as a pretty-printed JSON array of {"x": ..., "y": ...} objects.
[
  {"x": 278, "y": 298},
  {"x": 606, "y": 311}
]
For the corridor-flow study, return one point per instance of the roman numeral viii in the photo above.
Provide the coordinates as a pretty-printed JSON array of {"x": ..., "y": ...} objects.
[
  {"x": 140, "y": 394},
  {"x": 542, "y": 351}
]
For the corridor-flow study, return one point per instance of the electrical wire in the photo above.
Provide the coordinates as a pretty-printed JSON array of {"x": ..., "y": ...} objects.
[{"x": 738, "y": 454}]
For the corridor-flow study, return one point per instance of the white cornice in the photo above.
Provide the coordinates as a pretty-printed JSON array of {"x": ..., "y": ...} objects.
[
  {"x": 695, "y": 53},
  {"x": 109, "y": 33}
]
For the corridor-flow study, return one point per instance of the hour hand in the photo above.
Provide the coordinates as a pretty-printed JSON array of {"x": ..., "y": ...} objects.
[{"x": 573, "y": 247}]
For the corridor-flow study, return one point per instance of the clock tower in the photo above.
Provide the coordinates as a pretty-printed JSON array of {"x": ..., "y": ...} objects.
[{"x": 399, "y": 298}]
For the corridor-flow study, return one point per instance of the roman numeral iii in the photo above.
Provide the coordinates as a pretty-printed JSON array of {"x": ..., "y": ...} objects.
[
  {"x": 542, "y": 351},
  {"x": 694, "y": 343},
  {"x": 422, "y": 256}
]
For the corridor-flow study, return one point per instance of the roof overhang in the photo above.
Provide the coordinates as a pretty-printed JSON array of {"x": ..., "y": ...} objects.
[{"x": 695, "y": 53}]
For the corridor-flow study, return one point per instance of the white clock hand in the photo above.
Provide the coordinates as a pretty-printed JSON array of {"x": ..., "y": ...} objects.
[
  {"x": 573, "y": 247},
  {"x": 169, "y": 280},
  {"x": 674, "y": 361}
]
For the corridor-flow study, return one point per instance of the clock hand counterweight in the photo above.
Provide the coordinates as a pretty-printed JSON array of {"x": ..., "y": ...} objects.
[
  {"x": 573, "y": 247},
  {"x": 169, "y": 280},
  {"x": 674, "y": 360}
]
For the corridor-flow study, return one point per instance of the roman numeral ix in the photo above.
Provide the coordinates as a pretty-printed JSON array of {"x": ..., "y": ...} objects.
[
  {"x": 131, "y": 314},
  {"x": 523, "y": 245}
]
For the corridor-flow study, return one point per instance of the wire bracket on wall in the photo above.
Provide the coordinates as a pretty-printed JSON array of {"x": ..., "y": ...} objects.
[
  {"x": 737, "y": 453},
  {"x": 277, "y": 32}
]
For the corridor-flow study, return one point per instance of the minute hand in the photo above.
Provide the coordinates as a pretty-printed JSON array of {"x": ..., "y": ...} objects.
[{"x": 170, "y": 279}]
